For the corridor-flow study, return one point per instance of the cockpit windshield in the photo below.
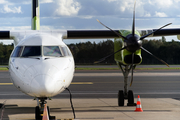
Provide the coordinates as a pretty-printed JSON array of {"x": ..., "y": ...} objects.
[
  {"x": 37, "y": 51},
  {"x": 31, "y": 51},
  {"x": 51, "y": 51}
]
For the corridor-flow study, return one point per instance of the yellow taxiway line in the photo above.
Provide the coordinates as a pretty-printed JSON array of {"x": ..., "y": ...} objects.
[
  {"x": 6, "y": 83},
  {"x": 79, "y": 83},
  {"x": 73, "y": 83}
]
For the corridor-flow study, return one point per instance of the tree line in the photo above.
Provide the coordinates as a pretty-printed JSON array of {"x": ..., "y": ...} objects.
[
  {"x": 5, "y": 52},
  {"x": 88, "y": 52}
]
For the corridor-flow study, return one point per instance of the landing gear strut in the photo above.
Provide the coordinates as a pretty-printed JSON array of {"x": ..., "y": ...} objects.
[
  {"x": 40, "y": 109},
  {"x": 122, "y": 95}
]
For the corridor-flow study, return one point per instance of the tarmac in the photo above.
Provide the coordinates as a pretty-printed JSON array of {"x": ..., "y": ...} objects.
[
  {"x": 96, "y": 109},
  {"x": 95, "y": 97}
]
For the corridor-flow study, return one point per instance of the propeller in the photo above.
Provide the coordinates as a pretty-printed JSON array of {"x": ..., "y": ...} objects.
[
  {"x": 154, "y": 31},
  {"x": 132, "y": 69},
  {"x": 154, "y": 56},
  {"x": 112, "y": 30},
  {"x": 109, "y": 56},
  {"x": 132, "y": 43},
  {"x": 133, "y": 26}
]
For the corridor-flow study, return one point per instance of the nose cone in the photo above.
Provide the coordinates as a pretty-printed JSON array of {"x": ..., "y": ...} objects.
[
  {"x": 50, "y": 76},
  {"x": 42, "y": 86}
]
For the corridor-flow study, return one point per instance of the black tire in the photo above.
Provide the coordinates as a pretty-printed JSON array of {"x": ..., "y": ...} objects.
[
  {"x": 48, "y": 110},
  {"x": 37, "y": 113},
  {"x": 130, "y": 97},
  {"x": 121, "y": 98},
  {"x": 52, "y": 118}
]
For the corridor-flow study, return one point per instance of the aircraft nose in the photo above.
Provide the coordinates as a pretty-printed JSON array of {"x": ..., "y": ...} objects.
[{"x": 42, "y": 86}]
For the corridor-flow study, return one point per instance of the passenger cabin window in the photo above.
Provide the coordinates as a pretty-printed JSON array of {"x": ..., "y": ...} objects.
[
  {"x": 17, "y": 51},
  {"x": 30, "y": 51},
  {"x": 52, "y": 51}
]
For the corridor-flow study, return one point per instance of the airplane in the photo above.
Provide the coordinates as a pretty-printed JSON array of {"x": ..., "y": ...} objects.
[{"x": 42, "y": 66}]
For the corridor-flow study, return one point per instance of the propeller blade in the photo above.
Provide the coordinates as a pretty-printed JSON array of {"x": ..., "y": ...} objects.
[
  {"x": 112, "y": 30},
  {"x": 108, "y": 56},
  {"x": 154, "y": 31},
  {"x": 154, "y": 56},
  {"x": 132, "y": 69},
  {"x": 133, "y": 26}
]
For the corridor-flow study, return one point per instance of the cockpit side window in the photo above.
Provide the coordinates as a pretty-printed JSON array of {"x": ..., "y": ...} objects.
[
  {"x": 30, "y": 51},
  {"x": 17, "y": 51},
  {"x": 69, "y": 52},
  {"x": 66, "y": 51},
  {"x": 52, "y": 51}
]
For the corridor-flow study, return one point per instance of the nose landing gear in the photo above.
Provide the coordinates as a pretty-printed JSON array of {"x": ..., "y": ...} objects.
[
  {"x": 122, "y": 95},
  {"x": 39, "y": 110}
]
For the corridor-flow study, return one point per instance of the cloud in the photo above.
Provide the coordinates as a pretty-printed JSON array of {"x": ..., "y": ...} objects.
[
  {"x": 86, "y": 17},
  {"x": 147, "y": 15},
  {"x": 161, "y": 3},
  {"x": 111, "y": 0},
  {"x": 12, "y": 2},
  {"x": 15, "y": 27},
  {"x": 176, "y": 1},
  {"x": 7, "y": 9},
  {"x": 3, "y": 1},
  {"x": 160, "y": 14},
  {"x": 67, "y": 7},
  {"x": 46, "y": 1},
  {"x": 124, "y": 5}
]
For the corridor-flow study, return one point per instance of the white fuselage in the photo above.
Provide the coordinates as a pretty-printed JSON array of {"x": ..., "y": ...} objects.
[{"x": 41, "y": 65}]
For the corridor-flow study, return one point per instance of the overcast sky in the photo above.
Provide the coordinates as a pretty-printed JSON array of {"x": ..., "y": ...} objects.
[{"x": 82, "y": 14}]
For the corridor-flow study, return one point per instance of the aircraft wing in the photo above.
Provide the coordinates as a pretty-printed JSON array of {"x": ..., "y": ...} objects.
[
  {"x": 87, "y": 34},
  {"x": 90, "y": 34},
  {"x": 4, "y": 34}
]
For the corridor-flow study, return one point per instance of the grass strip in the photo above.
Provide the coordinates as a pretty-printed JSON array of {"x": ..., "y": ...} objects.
[{"x": 3, "y": 69}]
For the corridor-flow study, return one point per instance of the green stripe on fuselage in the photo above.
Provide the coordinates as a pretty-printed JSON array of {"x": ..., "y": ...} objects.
[{"x": 119, "y": 43}]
